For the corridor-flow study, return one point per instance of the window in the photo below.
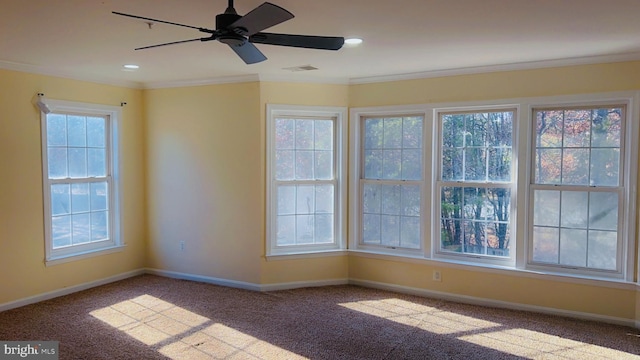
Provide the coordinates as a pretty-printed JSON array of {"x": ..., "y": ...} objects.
[
  {"x": 390, "y": 182},
  {"x": 306, "y": 186},
  {"x": 577, "y": 188},
  {"x": 80, "y": 192},
  {"x": 475, "y": 182}
]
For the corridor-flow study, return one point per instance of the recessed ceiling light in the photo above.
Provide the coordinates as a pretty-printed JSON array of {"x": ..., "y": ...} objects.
[
  {"x": 353, "y": 41},
  {"x": 131, "y": 66}
]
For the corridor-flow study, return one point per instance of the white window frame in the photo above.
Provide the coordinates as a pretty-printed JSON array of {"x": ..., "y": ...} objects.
[
  {"x": 521, "y": 173},
  {"x": 512, "y": 184},
  {"x": 357, "y": 117},
  {"x": 339, "y": 114},
  {"x": 629, "y": 167},
  {"x": 114, "y": 243}
]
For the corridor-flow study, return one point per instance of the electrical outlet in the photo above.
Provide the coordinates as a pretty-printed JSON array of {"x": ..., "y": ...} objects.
[
  {"x": 181, "y": 245},
  {"x": 437, "y": 276}
]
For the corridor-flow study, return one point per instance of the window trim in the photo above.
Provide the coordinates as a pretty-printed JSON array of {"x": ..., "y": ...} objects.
[
  {"x": 628, "y": 253},
  {"x": 115, "y": 243},
  {"x": 512, "y": 184},
  {"x": 356, "y": 160},
  {"x": 522, "y": 172},
  {"x": 340, "y": 168}
]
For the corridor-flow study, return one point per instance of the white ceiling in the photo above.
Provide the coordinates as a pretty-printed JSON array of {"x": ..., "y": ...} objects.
[{"x": 402, "y": 38}]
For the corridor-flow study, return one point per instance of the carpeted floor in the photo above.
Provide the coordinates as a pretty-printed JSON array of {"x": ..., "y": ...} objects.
[{"x": 151, "y": 317}]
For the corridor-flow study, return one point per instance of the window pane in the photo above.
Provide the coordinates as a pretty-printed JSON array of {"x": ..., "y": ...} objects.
[
  {"x": 304, "y": 134},
  {"x": 56, "y": 130},
  {"x": 284, "y": 164},
  {"x": 77, "y": 131},
  {"x": 371, "y": 229},
  {"x": 79, "y": 198},
  {"x": 452, "y": 164},
  {"x": 392, "y": 133},
  {"x": 81, "y": 228},
  {"x": 285, "y": 134},
  {"x": 475, "y": 164},
  {"x": 373, "y": 164},
  {"x": 499, "y": 164},
  {"x": 286, "y": 230},
  {"x": 575, "y": 167},
  {"x": 577, "y": 128},
  {"x": 390, "y": 230},
  {"x": 410, "y": 200},
  {"x": 324, "y": 229},
  {"x": 99, "y": 196},
  {"x": 453, "y": 131},
  {"x": 411, "y": 164},
  {"x": 96, "y": 134},
  {"x": 501, "y": 129},
  {"x": 603, "y": 211},
  {"x": 77, "y": 162},
  {"x": 606, "y": 127},
  {"x": 305, "y": 199},
  {"x": 99, "y": 226},
  {"x": 392, "y": 164},
  {"x": 304, "y": 165},
  {"x": 371, "y": 199},
  {"x": 286, "y": 200},
  {"x": 546, "y": 208},
  {"x": 60, "y": 200},
  {"x": 603, "y": 250},
  {"x": 573, "y": 247},
  {"x": 549, "y": 129},
  {"x": 451, "y": 235},
  {"x": 545, "y": 244},
  {"x": 305, "y": 226},
  {"x": 410, "y": 232},
  {"x": 574, "y": 209},
  {"x": 324, "y": 199},
  {"x": 323, "y": 139},
  {"x": 61, "y": 231},
  {"x": 605, "y": 167},
  {"x": 390, "y": 199},
  {"x": 373, "y": 133},
  {"x": 57, "y": 162},
  {"x": 323, "y": 165},
  {"x": 412, "y": 133},
  {"x": 97, "y": 164},
  {"x": 548, "y": 166}
]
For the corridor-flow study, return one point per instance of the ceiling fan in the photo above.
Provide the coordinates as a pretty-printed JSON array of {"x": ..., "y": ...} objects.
[{"x": 241, "y": 32}]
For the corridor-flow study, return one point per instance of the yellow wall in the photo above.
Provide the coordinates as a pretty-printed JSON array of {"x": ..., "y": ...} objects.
[
  {"x": 204, "y": 180},
  {"x": 22, "y": 269}
]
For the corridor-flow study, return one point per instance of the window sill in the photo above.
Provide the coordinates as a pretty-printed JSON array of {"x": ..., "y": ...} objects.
[
  {"x": 306, "y": 255},
  {"x": 56, "y": 260}
]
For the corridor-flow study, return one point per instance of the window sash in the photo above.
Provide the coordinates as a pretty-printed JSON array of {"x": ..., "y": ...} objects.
[{"x": 111, "y": 240}]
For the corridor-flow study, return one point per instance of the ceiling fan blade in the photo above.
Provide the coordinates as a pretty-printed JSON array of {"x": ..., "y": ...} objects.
[
  {"x": 301, "y": 41},
  {"x": 165, "y": 22},
  {"x": 260, "y": 18},
  {"x": 173, "y": 43},
  {"x": 249, "y": 53}
]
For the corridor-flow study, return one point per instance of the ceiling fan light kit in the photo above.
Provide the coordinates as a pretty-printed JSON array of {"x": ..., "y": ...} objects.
[{"x": 241, "y": 32}]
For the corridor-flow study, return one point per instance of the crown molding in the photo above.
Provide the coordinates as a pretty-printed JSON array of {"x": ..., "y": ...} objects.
[
  {"x": 530, "y": 65},
  {"x": 299, "y": 78},
  {"x": 41, "y": 70},
  {"x": 202, "y": 82}
]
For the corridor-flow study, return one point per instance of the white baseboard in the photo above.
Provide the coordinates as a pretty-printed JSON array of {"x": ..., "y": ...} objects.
[
  {"x": 68, "y": 290},
  {"x": 301, "y": 284},
  {"x": 495, "y": 303},
  {"x": 204, "y": 279}
]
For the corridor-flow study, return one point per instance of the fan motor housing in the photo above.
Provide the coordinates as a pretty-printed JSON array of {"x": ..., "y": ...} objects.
[{"x": 224, "y": 20}]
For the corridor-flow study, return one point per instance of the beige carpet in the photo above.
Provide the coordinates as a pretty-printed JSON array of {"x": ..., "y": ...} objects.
[{"x": 150, "y": 317}]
